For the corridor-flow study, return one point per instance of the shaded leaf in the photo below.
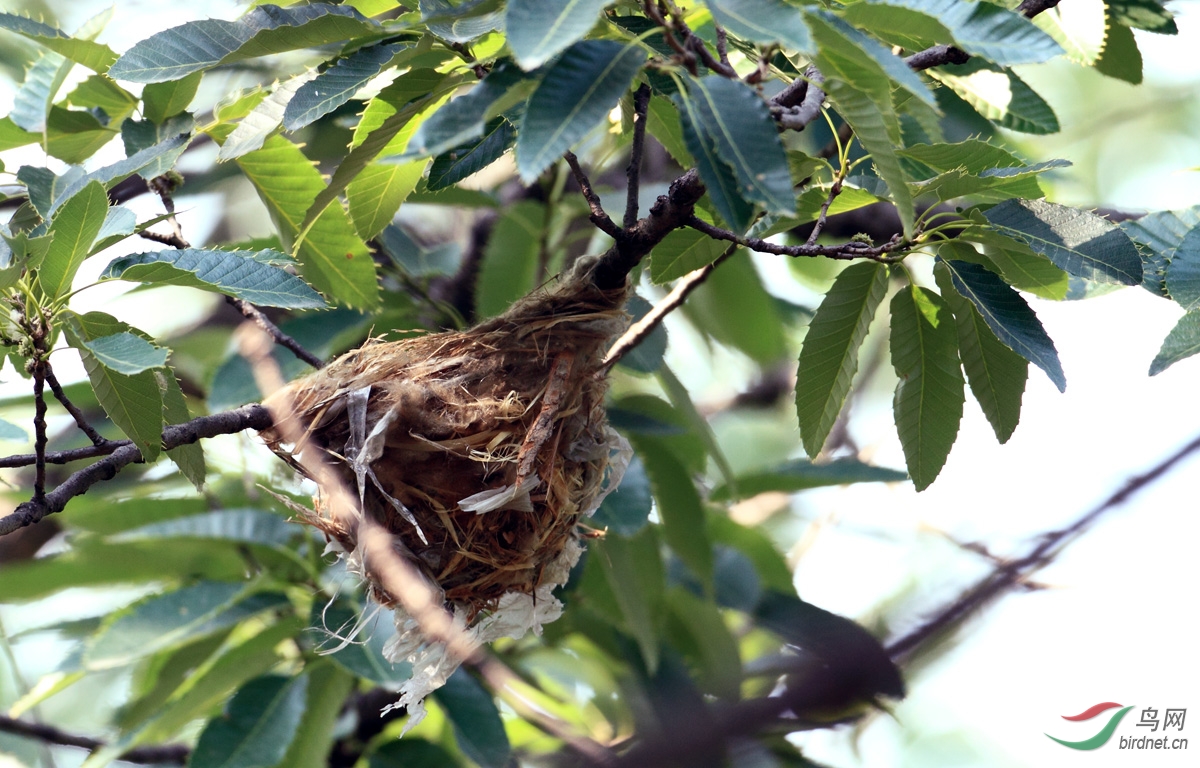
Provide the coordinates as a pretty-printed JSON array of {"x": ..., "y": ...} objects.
[
  {"x": 110, "y": 175},
  {"x": 1182, "y": 274},
  {"x": 829, "y": 357},
  {"x": 987, "y": 30},
  {"x": 539, "y": 29},
  {"x": 763, "y": 21},
  {"x": 336, "y": 85},
  {"x": 199, "y": 45},
  {"x": 138, "y": 135},
  {"x": 264, "y": 119},
  {"x": 624, "y": 511},
  {"x": 510, "y": 259},
  {"x": 718, "y": 177},
  {"x": 999, "y": 95},
  {"x": 647, "y": 355},
  {"x": 633, "y": 570},
  {"x": 93, "y": 55},
  {"x": 10, "y": 431},
  {"x": 1149, "y": 15},
  {"x": 258, "y": 725},
  {"x": 461, "y": 23},
  {"x": 678, "y": 505},
  {"x": 31, "y": 102},
  {"x": 1158, "y": 234},
  {"x": 1181, "y": 343},
  {"x": 842, "y": 40},
  {"x": 575, "y": 95},
  {"x": 478, "y": 728},
  {"x": 801, "y": 474},
  {"x": 378, "y": 192},
  {"x": 463, "y": 119},
  {"x": 162, "y": 100},
  {"x": 457, "y": 164},
  {"x": 1077, "y": 241},
  {"x": 247, "y": 526},
  {"x": 734, "y": 307},
  {"x": 682, "y": 251},
  {"x": 363, "y": 656},
  {"x": 929, "y": 396},
  {"x": 711, "y": 644},
  {"x": 126, "y": 354},
  {"x": 328, "y": 687},
  {"x": 411, "y": 753}
]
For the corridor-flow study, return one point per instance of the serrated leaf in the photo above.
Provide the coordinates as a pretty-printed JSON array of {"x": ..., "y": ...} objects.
[
  {"x": 461, "y": 120},
  {"x": 138, "y": 135},
  {"x": 869, "y": 52},
  {"x": 332, "y": 257},
  {"x": 93, "y": 55},
  {"x": 718, "y": 177},
  {"x": 801, "y": 475},
  {"x": 1158, "y": 235},
  {"x": 743, "y": 132},
  {"x": 510, "y": 259},
  {"x": 539, "y": 29},
  {"x": 1120, "y": 58},
  {"x": 126, "y": 354},
  {"x": 134, "y": 403},
  {"x": 165, "y": 99},
  {"x": 829, "y": 357},
  {"x": 333, "y": 87},
  {"x": 264, "y": 119},
  {"x": 74, "y": 229},
  {"x": 575, "y": 94},
  {"x": 31, "y": 102},
  {"x": 200, "y": 45},
  {"x": 377, "y": 193},
  {"x": 663, "y": 123},
  {"x": 110, "y": 175},
  {"x": 457, "y": 164},
  {"x": 241, "y": 274},
  {"x": 1149, "y": 15},
  {"x": 1182, "y": 273},
  {"x": 929, "y": 398},
  {"x": 997, "y": 374},
  {"x": 763, "y": 21},
  {"x": 188, "y": 457},
  {"x": 633, "y": 570},
  {"x": 1181, "y": 343},
  {"x": 682, "y": 251},
  {"x": 464, "y": 22},
  {"x": 679, "y": 506},
  {"x": 99, "y": 92},
  {"x": 1077, "y": 241},
  {"x": 257, "y": 728},
  {"x": 999, "y": 95},
  {"x": 1079, "y": 28},
  {"x": 987, "y": 30},
  {"x": 73, "y": 136},
  {"x": 478, "y": 728}
]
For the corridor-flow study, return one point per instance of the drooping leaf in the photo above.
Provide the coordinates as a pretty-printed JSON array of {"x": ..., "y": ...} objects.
[
  {"x": 1000, "y": 95},
  {"x": 1120, "y": 58},
  {"x": 929, "y": 397},
  {"x": 478, "y": 728},
  {"x": 74, "y": 229},
  {"x": 1181, "y": 343},
  {"x": 734, "y": 307},
  {"x": 843, "y": 41},
  {"x": 93, "y": 55},
  {"x": 576, "y": 93},
  {"x": 829, "y": 357},
  {"x": 241, "y": 274},
  {"x": 332, "y": 257},
  {"x": 1020, "y": 266},
  {"x": 633, "y": 571},
  {"x": 1159, "y": 234},
  {"x": 801, "y": 475},
  {"x": 679, "y": 506},
  {"x": 764, "y": 21},
  {"x": 452, "y": 167},
  {"x": 126, "y": 354},
  {"x": 258, "y": 726},
  {"x": 708, "y": 642},
  {"x": 647, "y": 355},
  {"x": 190, "y": 456},
  {"x": 539, "y": 29},
  {"x": 1149, "y": 15},
  {"x": 328, "y": 687},
  {"x": 1079, "y": 28},
  {"x": 1077, "y": 241},
  {"x": 335, "y": 86},
  {"x": 378, "y": 192},
  {"x": 168, "y": 98},
  {"x": 719, "y": 179},
  {"x": 463, "y": 119},
  {"x": 740, "y": 126},
  {"x": 510, "y": 259},
  {"x": 987, "y": 30},
  {"x": 997, "y": 374},
  {"x": 267, "y": 29}
]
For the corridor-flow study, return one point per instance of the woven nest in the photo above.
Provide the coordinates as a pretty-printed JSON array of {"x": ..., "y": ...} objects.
[{"x": 479, "y": 451}]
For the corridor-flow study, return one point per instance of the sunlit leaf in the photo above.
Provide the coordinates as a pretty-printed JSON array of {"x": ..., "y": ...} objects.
[
  {"x": 539, "y": 29},
  {"x": 1181, "y": 343}
]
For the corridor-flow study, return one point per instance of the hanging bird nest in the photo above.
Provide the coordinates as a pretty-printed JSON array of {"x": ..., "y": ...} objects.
[{"x": 479, "y": 451}]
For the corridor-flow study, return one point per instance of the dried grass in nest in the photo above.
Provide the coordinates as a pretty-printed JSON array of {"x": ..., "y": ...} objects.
[{"x": 480, "y": 451}]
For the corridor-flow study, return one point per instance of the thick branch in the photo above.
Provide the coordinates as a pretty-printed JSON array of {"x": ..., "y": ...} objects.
[
  {"x": 167, "y": 753},
  {"x": 252, "y": 416},
  {"x": 641, "y": 102}
]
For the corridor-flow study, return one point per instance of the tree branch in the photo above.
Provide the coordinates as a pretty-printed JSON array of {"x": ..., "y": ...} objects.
[
  {"x": 641, "y": 102},
  {"x": 598, "y": 216},
  {"x": 252, "y": 416},
  {"x": 844, "y": 251},
  {"x": 64, "y": 457},
  {"x": 76, "y": 414},
  {"x": 1014, "y": 572},
  {"x": 254, "y": 314},
  {"x": 166, "y": 753}
]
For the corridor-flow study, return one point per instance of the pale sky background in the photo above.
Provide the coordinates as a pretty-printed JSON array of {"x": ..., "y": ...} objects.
[{"x": 1116, "y": 623}]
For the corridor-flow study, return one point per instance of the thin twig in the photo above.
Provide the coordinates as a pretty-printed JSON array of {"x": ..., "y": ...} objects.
[
  {"x": 64, "y": 457},
  {"x": 256, "y": 315},
  {"x": 598, "y": 216},
  {"x": 641, "y": 103},
  {"x": 39, "y": 426},
  {"x": 638, "y": 331},
  {"x": 166, "y": 753},
  {"x": 76, "y": 414},
  {"x": 845, "y": 251},
  {"x": 834, "y": 191},
  {"x": 722, "y": 44},
  {"x": 172, "y": 240},
  {"x": 1014, "y": 572}
]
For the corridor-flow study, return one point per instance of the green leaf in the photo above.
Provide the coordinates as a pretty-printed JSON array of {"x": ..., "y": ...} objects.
[
  {"x": 175, "y": 619},
  {"x": 929, "y": 397},
  {"x": 682, "y": 251},
  {"x": 12, "y": 136},
  {"x": 463, "y": 119},
  {"x": 1120, "y": 58},
  {"x": 679, "y": 506},
  {"x": 842, "y": 40},
  {"x": 328, "y": 687},
  {"x": 734, "y": 307},
  {"x": 126, "y": 354},
  {"x": 1181, "y": 343},
  {"x": 201, "y": 45},
  {"x": 539, "y": 29},
  {"x": 718, "y": 177},
  {"x": 987, "y": 30},
  {"x": 829, "y": 357},
  {"x": 241, "y": 274},
  {"x": 1008, "y": 316},
  {"x": 1079, "y": 28},
  {"x": 997, "y": 375},
  {"x": 712, "y": 645},
  {"x": 364, "y": 656},
  {"x": 681, "y": 399},
  {"x": 169, "y": 98},
  {"x": 999, "y": 95},
  {"x": 461, "y": 23},
  {"x": 374, "y": 197},
  {"x": 10, "y": 431},
  {"x": 457, "y": 164},
  {"x": 74, "y": 229},
  {"x": 245, "y": 526},
  {"x": 1182, "y": 273},
  {"x": 1158, "y": 234},
  {"x": 134, "y": 403},
  {"x": 99, "y": 92},
  {"x": 801, "y": 475},
  {"x": 74, "y": 136},
  {"x": 574, "y": 96},
  {"x": 411, "y": 753},
  {"x": 743, "y": 132},
  {"x": 763, "y": 21},
  {"x": 336, "y": 85},
  {"x": 111, "y": 175},
  {"x": 264, "y": 120},
  {"x": 510, "y": 259},
  {"x": 90, "y": 54},
  {"x": 647, "y": 355},
  {"x": 139, "y": 135},
  {"x": 332, "y": 257},
  {"x": 625, "y": 511},
  {"x": 1149, "y": 15},
  {"x": 478, "y": 728},
  {"x": 663, "y": 123},
  {"x": 31, "y": 102},
  {"x": 190, "y": 457},
  {"x": 257, "y": 728},
  {"x": 633, "y": 570},
  {"x": 1077, "y": 241}
]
